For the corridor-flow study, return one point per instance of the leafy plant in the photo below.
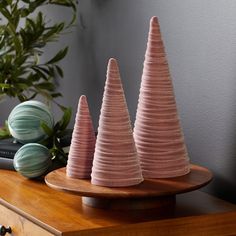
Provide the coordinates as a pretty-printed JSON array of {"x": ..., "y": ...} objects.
[
  {"x": 24, "y": 33},
  {"x": 53, "y": 142}
]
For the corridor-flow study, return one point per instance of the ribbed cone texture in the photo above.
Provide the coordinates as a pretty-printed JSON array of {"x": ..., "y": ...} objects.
[
  {"x": 115, "y": 161},
  {"x": 157, "y": 132},
  {"x": 82, "y": 146}
]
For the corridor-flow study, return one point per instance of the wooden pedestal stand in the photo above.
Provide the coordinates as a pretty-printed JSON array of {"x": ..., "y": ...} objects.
[{"x": 151, "y": 193}]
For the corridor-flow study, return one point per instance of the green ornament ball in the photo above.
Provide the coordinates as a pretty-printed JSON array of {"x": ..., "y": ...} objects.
[
  {"x": 25, "y": 120},
  {"x": 32, "y": 160}
]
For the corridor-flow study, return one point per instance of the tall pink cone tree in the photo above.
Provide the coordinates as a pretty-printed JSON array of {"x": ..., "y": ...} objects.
[{"x": 157, "y": 130}]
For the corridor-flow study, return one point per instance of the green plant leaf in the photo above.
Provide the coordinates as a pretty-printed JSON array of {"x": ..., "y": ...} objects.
[
  {"x": 54, "y": 95},
  {"x": 59, "y": 71},
  {"x": 46, "y": 129},
  {"x": 65, "y": 118},
  {"x": 59, "y": 56},
  {"x": 45, "y": 85},
  {"x": 5, "y": 12},
  {"x": 5, "y": 85},
  {"x": 22, "y": 97},
  {"x": 4, "y": 131}
]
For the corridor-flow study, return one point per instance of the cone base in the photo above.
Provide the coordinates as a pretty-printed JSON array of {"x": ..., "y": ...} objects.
[
  {"x": 165, "y": 174},
  {"x": 115, "y": 183},
  {"x": 82, "y": 175}
]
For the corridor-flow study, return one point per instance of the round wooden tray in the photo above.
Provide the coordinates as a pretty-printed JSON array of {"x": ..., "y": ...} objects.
[{"x": 151, "y": 193}]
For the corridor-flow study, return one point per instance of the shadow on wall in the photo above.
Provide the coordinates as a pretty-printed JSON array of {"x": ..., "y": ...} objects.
[
  {"x": 224, "y": 181},
  {"x": 223, "y": 188},
  {"x": 199, "y": 38},
  {"x": 101, "y": 3}
]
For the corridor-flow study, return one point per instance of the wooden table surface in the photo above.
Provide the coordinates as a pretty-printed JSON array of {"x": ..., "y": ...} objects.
[{"x": 195, "y": 212}]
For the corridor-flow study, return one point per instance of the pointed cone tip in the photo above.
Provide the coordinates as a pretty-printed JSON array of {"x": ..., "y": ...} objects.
[
  {"x": 82, "y": 99},
  {"x": 82, "y": 102},
  {"x": 112, "y": 60},
  {"x": 112, "y": 64},
  {"x": 154, "y": 19},
  {"x": 154, "y": 22}
]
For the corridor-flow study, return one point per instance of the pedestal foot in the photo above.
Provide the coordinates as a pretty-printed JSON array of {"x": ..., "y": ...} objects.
[{"x": 130, "y": 203}]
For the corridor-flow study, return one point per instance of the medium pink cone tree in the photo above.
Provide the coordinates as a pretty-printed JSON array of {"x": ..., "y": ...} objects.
[{"x": 115, "y": 161}]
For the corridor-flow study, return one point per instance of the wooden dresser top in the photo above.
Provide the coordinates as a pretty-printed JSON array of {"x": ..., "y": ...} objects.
[{"x": 64, "y": 212}]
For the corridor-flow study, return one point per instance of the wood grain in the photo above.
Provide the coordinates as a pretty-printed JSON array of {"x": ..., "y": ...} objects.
[
  {"x": 197, "y": 178},
  {"x": 19, "y": 224},
  {"x": 209, "y": 225},
  {"x": 62, "y": 213}
]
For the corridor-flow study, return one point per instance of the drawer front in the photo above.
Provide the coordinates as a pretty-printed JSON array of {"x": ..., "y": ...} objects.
[{"x": 20, "y": 225}]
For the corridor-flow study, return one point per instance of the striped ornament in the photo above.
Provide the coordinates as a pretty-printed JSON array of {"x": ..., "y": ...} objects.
[
  {"x": 32, "y": 160},
  {"x": 25, "y": 120}
]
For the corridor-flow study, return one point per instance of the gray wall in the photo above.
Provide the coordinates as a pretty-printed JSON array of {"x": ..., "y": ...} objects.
[{"x": 200, "y": 41}]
